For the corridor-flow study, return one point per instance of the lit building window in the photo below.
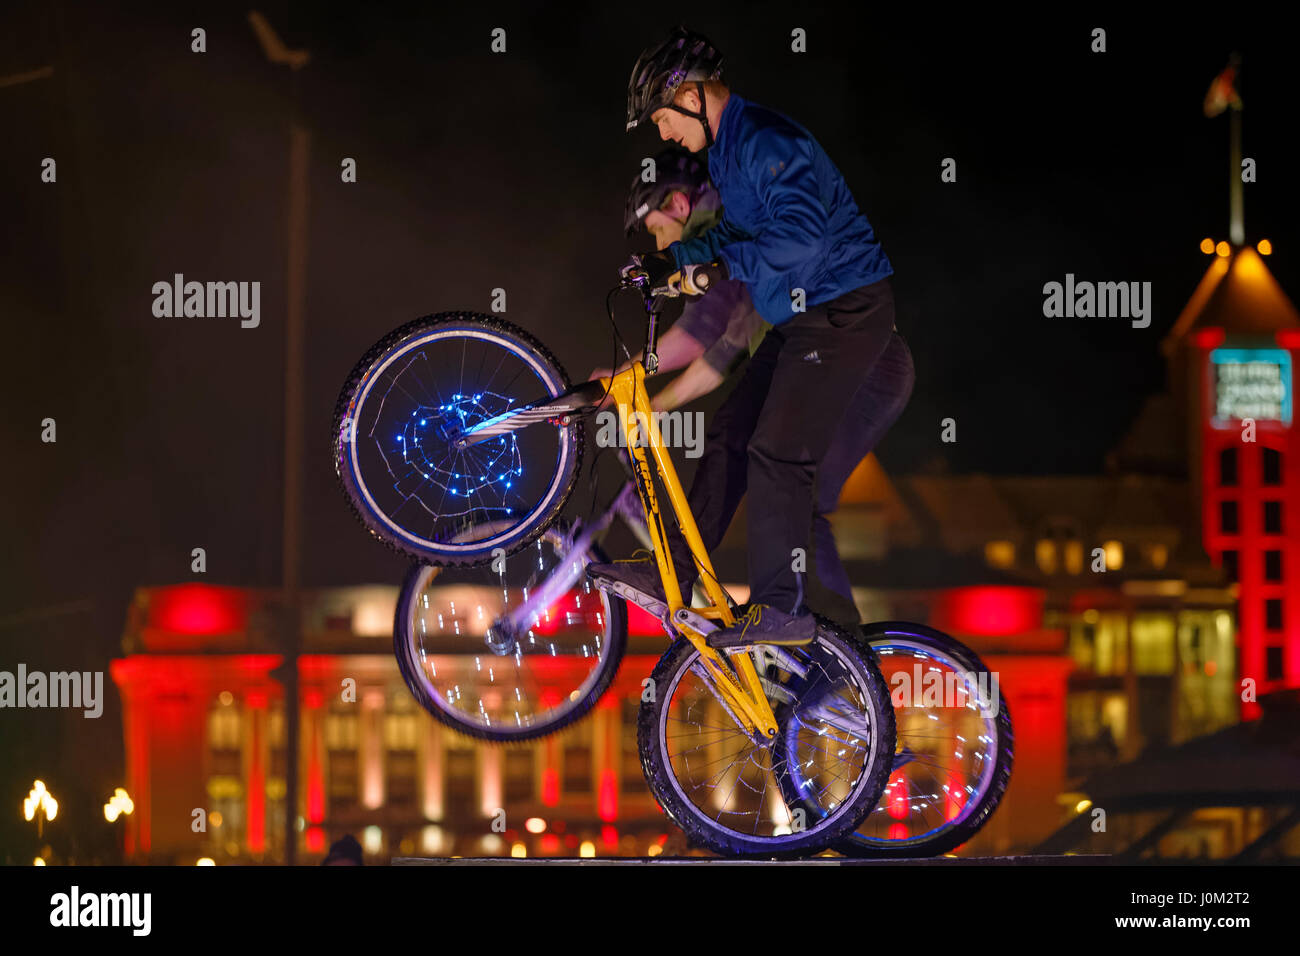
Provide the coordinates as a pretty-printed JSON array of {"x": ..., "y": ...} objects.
[
  {"x": 1045, "y": 555},
  {"x": 1157, "y": 555},
  {"x": 1074, "y": 556},
  {"x": 400, "y": 757},
  {"x": 1000, "y": 554},
  {"x": 1153, "y": 644},
  {"x": 341, "y": 750},
  {"x": 223, "y": 727},
  {"x": 578, "y": 767},
  {"x": 1114, "y": 555},
  {"x": 225, "y": 781},
  {"x": 520, "y": 775}
]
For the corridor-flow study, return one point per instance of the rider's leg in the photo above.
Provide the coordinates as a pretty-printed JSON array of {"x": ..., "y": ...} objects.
[
  {"x": 875, "y": 407},
  {"x": 723, "y": 472},
  {"x": 827, "y": 353},
  {"x": 720, "y": 478}
]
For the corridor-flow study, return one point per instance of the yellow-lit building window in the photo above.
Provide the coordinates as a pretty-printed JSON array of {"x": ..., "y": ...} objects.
[
  {"x": 400, "y": 731},
  {"x": 223, "y": 727},
  {"x": 1074, "y": 556},
  {"x": 1000, "y": 554},
  {"x": 1157, "y": 555},
  {"x": 342, "y": 767},
  {"x": 1207, "y": 688},
  {"x": 1045, "y": 555},
  {"x": 1153, "y": 644},
  {"x": 1114, "y": 552},
  {"x": 1098, "y": 643}
]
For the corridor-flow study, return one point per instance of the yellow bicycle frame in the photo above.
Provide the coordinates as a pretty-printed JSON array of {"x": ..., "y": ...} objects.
[{"x": 742, "y": 690}]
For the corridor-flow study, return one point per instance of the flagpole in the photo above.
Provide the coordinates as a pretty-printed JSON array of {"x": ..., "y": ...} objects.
[{"x": 1236, "y": 215}]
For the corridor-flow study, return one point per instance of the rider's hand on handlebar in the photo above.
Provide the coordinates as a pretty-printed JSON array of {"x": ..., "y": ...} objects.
[
  {"x": 658, "y": 268},
  {"x": 699, "y": 279}
]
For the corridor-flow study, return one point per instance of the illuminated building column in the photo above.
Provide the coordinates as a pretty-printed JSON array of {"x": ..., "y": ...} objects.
[
  {"x": 255, "y": 760},
  {"x": 550, "y": 765},
  {"x": 313, "y": 766},
  {"x": 1035, "y": 690},
  {"x": 489, "y": 780},
  {"x": 607, "y": 747},
  {"x": 371, "y": 743},
  {"x": 433, "y": 763}
]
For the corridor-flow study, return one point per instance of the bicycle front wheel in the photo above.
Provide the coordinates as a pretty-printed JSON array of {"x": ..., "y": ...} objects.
[
  {"x": 954, "y": 746},
  {"x": 725, "y": 789},
  {"x": 398, "y": 442},
  {"x": 472, "y": 662}
]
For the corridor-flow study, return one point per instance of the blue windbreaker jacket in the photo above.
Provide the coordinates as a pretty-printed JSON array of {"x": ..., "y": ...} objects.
[{"x": 789, "y": 221}]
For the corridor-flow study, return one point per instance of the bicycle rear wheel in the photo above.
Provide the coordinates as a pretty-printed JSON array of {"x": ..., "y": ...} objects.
[
  {"x": 474, "y": 671},
  {"x": 397, "y": 443}
]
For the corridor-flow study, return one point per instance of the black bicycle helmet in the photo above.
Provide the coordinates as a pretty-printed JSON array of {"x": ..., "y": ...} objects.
[
  {"x": 661, "y": 70},
  {"x": 675, "y": 169}
]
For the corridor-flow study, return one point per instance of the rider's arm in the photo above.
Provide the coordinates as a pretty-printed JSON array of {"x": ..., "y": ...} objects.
[
  {"x": 700, "y": 378},
  {"x": 778, "y": 162},
  {"x": 705, "y": 247},
  {"x": 733, "y": 312},
  {"x": 676, "y": 349}
]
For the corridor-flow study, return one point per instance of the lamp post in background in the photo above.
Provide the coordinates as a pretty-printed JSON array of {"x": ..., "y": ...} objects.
[
  {"x": 296, "y": 287},
  {"x": 41, "y": 805},
  {"x": 119, "y": 805}
]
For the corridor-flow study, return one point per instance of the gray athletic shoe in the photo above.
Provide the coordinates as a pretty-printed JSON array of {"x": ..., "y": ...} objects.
[{"x": 764, "y": 624}]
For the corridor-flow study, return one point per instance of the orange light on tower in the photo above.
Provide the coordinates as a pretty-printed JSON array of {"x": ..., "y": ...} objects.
[
  {"x": 1207, "y": 246},
  {"x": 1223, "y": 249},
  {"x": 1265, "y": 247}
]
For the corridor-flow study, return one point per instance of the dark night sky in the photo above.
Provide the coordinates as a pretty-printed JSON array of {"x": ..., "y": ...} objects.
[{"x": 479, "y": 170}]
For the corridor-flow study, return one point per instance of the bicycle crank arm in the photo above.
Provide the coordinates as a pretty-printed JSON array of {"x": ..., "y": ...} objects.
[
  {"x": 647, "y": 602},
  {"x": 841, "y": 721}
]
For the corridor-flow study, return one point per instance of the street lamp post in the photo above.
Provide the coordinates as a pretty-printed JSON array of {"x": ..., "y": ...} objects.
[
  {"x": 119, "y": 805},
  {"x": 40, "y": 803},
  {"x": 299, "y": 156}
]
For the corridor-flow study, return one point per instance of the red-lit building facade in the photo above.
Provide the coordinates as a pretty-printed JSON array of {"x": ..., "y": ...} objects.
[{"x": 1098, "y": 660}]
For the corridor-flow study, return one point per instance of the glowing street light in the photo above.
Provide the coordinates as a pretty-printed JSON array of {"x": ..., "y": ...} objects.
[
  {"x": 40, "y": 801},
  {"x": 118, "y": 804}
]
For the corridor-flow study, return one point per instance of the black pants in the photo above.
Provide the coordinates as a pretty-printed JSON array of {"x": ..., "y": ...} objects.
[{"x": 775, "y": 429}]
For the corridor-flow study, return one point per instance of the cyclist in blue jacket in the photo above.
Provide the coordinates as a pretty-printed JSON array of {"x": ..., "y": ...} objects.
[
  {"x": 714, "y": 333},
  {"x": 792, "y": 233}
]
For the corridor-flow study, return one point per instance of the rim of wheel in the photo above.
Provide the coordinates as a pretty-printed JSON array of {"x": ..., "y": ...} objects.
[
  {"x": 527, "y": 689},
  {"x": 915, "y": 796},
  {"x": 741, "y": 789},
  {"x": 440, "y": 409}
]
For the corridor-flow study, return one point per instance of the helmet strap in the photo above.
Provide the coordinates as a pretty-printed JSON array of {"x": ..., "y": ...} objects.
[{"x": 702, "y": 115}]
